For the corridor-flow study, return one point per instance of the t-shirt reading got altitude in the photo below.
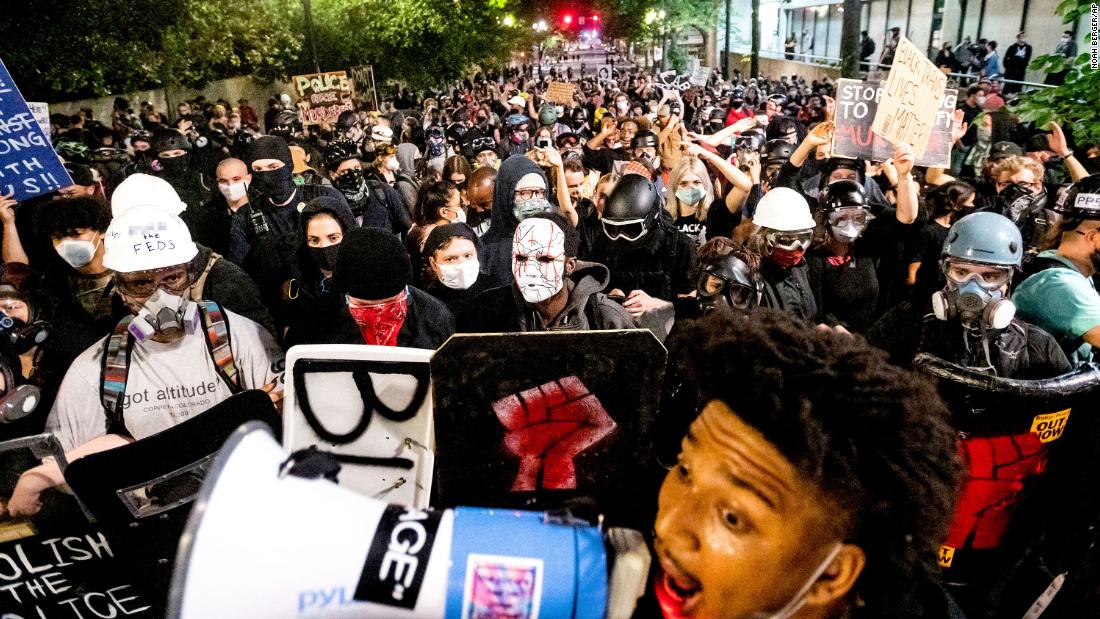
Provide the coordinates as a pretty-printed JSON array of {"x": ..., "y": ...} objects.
[{"x": 167, "y": 383}]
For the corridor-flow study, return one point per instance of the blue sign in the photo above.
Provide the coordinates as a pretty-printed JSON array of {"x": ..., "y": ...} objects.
[{"x": 29, "y": 166}]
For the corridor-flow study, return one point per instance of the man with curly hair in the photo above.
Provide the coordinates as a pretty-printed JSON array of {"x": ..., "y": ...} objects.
[{"x": 817, "y": 481}]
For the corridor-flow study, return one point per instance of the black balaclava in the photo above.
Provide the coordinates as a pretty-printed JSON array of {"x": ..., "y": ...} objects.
[
  {"x": 330, "y": 206},
  {"x": 277, "y": 185}
]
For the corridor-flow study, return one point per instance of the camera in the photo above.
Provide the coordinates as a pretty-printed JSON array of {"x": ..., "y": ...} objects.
[{"x": 543, "y": 143}]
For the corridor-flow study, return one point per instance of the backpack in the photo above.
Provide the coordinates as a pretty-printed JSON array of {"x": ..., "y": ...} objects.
[{"x": 116, "y": 359}]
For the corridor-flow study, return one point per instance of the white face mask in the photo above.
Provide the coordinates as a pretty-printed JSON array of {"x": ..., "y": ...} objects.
[
  {"x": 538, "y": 280},
  {"x": 460, "y": 217},
  {"x": 392, "y": 164},
  {"x": 76, "y": 252},
  {"x": 459, "y": 276},
  {"x": 981, "y": 100},
  {"x": 233, "y": 191}
]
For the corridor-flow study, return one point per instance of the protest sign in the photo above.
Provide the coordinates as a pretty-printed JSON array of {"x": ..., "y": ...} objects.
[
  {"x": 41, "y": 113},
  {"x": 29, "y": 166},
  {"x": 856, "y": 104},
  {"x": 606, "y": 72},
  {"x": 76, "y": 574},
  {"x": 911, "y": 96},
  {"x": 322, "y": 97},
  {"x": 700, "y": 76},
  {"x": 362, "y": 80},
  {"x": 560, "y": 92}
]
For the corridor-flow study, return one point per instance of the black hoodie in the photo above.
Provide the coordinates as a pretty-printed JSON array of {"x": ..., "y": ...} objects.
[{"x": 495, "y": 253}]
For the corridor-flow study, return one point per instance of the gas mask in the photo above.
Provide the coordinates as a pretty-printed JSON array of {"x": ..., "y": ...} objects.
[
  {"x": 727, "y": 282},
  {"x": 975, "y": 299},
  {"x": 17, "y": 401},
  {"x": 23, "y": 336},
  {"x": 164, "y": 313},
  {"x": 652, "y": 162}
]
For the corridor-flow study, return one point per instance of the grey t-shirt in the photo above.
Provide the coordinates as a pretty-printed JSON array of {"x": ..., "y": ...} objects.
[{"x": 167, "y": 383}]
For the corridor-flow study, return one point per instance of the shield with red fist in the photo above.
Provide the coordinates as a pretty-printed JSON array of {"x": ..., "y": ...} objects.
[{"x": 539, "y": 419}]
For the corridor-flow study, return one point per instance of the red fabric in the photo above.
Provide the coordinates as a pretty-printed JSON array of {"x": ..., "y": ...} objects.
[
  {"x": 839, "y": 261},
  {"x": 787, "y": 258},
  {"x": 380, "y": 324},
  {"x": 736, "y": 115},
  {"x": 998, "y": 467}
]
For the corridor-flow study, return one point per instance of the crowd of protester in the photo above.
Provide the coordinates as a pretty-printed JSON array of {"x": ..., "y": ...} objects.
[{"x": 486, "y": 208}]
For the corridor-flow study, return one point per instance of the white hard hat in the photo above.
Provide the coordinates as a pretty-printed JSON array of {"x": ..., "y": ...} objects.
[
  {"x": 783, "y": 209},
  {"x": 145, "y": 238},
  {"x": 382, "y": 133},
  {"x": 146, "y": 190}
]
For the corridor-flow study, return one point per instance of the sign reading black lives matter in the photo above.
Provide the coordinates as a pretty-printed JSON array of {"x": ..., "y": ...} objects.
[
  {"x": 856, "y": 105},
  {"x": 29, "y": 166}
]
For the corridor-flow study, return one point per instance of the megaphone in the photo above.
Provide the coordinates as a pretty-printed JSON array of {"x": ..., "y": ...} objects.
[{"x": 261, "y": 543}]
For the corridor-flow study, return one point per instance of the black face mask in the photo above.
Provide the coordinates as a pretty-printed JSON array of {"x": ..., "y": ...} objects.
[
  {"x": 175, "y": 166},
  {"x": 275, "y": 184},
  {"x": 475, "y": 218},
  {"x": 350, "y": 183},
  {"x": 324, "y": 257}
]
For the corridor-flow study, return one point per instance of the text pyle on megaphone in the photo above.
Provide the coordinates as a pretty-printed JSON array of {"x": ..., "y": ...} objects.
[{"x": 259, "y": 544}]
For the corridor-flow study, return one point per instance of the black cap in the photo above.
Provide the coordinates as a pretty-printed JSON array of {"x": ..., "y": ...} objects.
[
  {"x": 441, "y": 234},
  {"x": 339, "y": 151},
  {"x": 1003, "y": 149},
  {"x": 168, "y": 139},
  {"x": 372, "y": 265}
]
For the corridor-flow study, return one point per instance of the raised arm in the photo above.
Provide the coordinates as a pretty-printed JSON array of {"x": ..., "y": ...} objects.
[{"x": 12, "y": 248}]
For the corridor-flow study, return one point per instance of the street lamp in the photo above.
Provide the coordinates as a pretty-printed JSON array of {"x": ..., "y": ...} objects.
[{"x": 508, "y": 21}]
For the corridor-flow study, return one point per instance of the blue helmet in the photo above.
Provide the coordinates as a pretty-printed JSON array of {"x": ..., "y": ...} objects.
[{"x": 986, "y": 238}]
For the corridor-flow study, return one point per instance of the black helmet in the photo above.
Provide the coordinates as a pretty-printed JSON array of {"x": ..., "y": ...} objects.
[
  {"x": 476, "y": 144},
  {"x": 338, "y": 151},
  {"x": 286, "y": 123},
  {"x": 842, "y": 194},
  {"x": 347, "y": 120},
  {"x": 645, "y": 138},
  {"x": 739, "y": 289},
  {"x": 737, "y": 94},
  {"x": 633, "y": 197},
  {"x": 1081, "y": 200},
  {"x": 631, "y": 209},
  {"x": 778, "y": 151},
  {"x": 832, "y": 164},
  {"x": 750, "y": 140},
  {"x": 169, "y": 139},
  {"x": 455, "y": 132},
  {"x": 579, "y": 116}
]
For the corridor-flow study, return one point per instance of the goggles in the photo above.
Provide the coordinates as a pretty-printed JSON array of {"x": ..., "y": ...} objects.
[
  {"x": 736, "y": 293},
  {"x": 798, "y": 240},
  {"x": 990, "y": 279},
  {"x": 850, "y": 214},
  {"x": 142, "y": 284},
  {"x": 628, "y": 230},
  {"x": 480, "y": 144}
]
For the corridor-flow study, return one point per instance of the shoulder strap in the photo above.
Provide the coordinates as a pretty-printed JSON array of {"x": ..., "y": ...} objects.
[
  {"x": 218, "y": 342},
  {"x": 116, "y": 369},
  {"x": 200, "y": 284}
]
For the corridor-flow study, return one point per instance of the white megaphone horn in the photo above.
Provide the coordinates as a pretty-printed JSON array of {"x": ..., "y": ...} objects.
[{"x": 260, "y": 543}]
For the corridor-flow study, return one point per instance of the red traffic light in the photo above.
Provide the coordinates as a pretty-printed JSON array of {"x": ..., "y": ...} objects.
[
  {"x": 567, "y": 18},
  {"x": 595, "y": 18}
]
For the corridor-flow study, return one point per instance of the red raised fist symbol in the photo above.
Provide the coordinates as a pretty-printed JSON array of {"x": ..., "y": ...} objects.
[{"x": 549, "y": 425}]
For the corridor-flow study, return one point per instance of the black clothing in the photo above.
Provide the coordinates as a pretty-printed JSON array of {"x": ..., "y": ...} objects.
[
  {"x": 427, "y": 325},
  {"x": 458, "y": 300},
  {"x": 495, "y": 252},
  {"x": 926, "y": 247},
  {"x": 789, "y": 290},
  {"x": 381, "y": 206},
  {"x": 603, "y": 159},
  {"x": 845, "y": 289},
  {"x": 660, "y": 264}
]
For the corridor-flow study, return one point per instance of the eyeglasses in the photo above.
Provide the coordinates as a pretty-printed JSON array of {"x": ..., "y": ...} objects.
[
  {"x": 628, "y": 230},
  {"x": 989, "y": 277},
  {"x": 529, "y": 194},
  {"x": 791, "y": 241},
  {"x": 142, "y": 284}
]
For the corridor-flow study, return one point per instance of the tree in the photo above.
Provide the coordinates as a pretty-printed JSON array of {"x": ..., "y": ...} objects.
[
  {"x": 850, "y": 40},
  {"x": 1073, "y": 104}
]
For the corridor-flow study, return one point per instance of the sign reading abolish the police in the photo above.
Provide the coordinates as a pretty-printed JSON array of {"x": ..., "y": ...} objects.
[
  {"x": 28, "y": 164},
  {"x": 856, "y": 104},
  {"x": 910, "y": 99},
  {"x": 322, "y": 97}
]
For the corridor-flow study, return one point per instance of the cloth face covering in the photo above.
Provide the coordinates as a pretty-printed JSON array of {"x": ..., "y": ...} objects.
[
  {"x": 276, "y": 184},
  {"x": 379, "y": 324},
  {"x": 538, "y": 259},
  {"x": 459, "y": 276},
  {"x": 690, "y": 196}
]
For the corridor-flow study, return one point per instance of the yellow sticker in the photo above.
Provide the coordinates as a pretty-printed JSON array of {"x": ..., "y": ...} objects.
[
  {"x": 1049, "y": 427},
  {"x": 946, "y": 556}
]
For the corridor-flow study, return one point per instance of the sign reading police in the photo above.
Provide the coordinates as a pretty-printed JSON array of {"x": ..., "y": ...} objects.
[
  {"x": 322, "y": 97},
  {"x": 28, "y": 163},
  {"x": 856, "y": 105}
]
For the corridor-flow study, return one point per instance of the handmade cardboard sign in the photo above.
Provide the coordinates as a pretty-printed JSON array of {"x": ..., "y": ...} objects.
[
  {"x": 700, "y": 76},
  {"x": 29, "y": 166},
  {"x": 362, "y": 79},
  {"x": 560, "y": 92},
  {"x": 911, "y": 97},
  {"x": 322, "y": 97},
  {"x": 856, "y": 105},
  {"x": 538, "y": 418}
]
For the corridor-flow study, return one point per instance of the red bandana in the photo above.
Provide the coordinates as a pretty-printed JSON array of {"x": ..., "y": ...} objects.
[{"x": 379, "y": 324}]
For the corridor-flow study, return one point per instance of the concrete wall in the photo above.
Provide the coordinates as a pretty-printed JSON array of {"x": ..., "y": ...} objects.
[
  {"x": 231, "y": 90},
  {"x": 773, "y": 67}
]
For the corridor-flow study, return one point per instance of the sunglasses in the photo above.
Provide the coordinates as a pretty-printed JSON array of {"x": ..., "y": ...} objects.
[{"x": 629, "y": 230}]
